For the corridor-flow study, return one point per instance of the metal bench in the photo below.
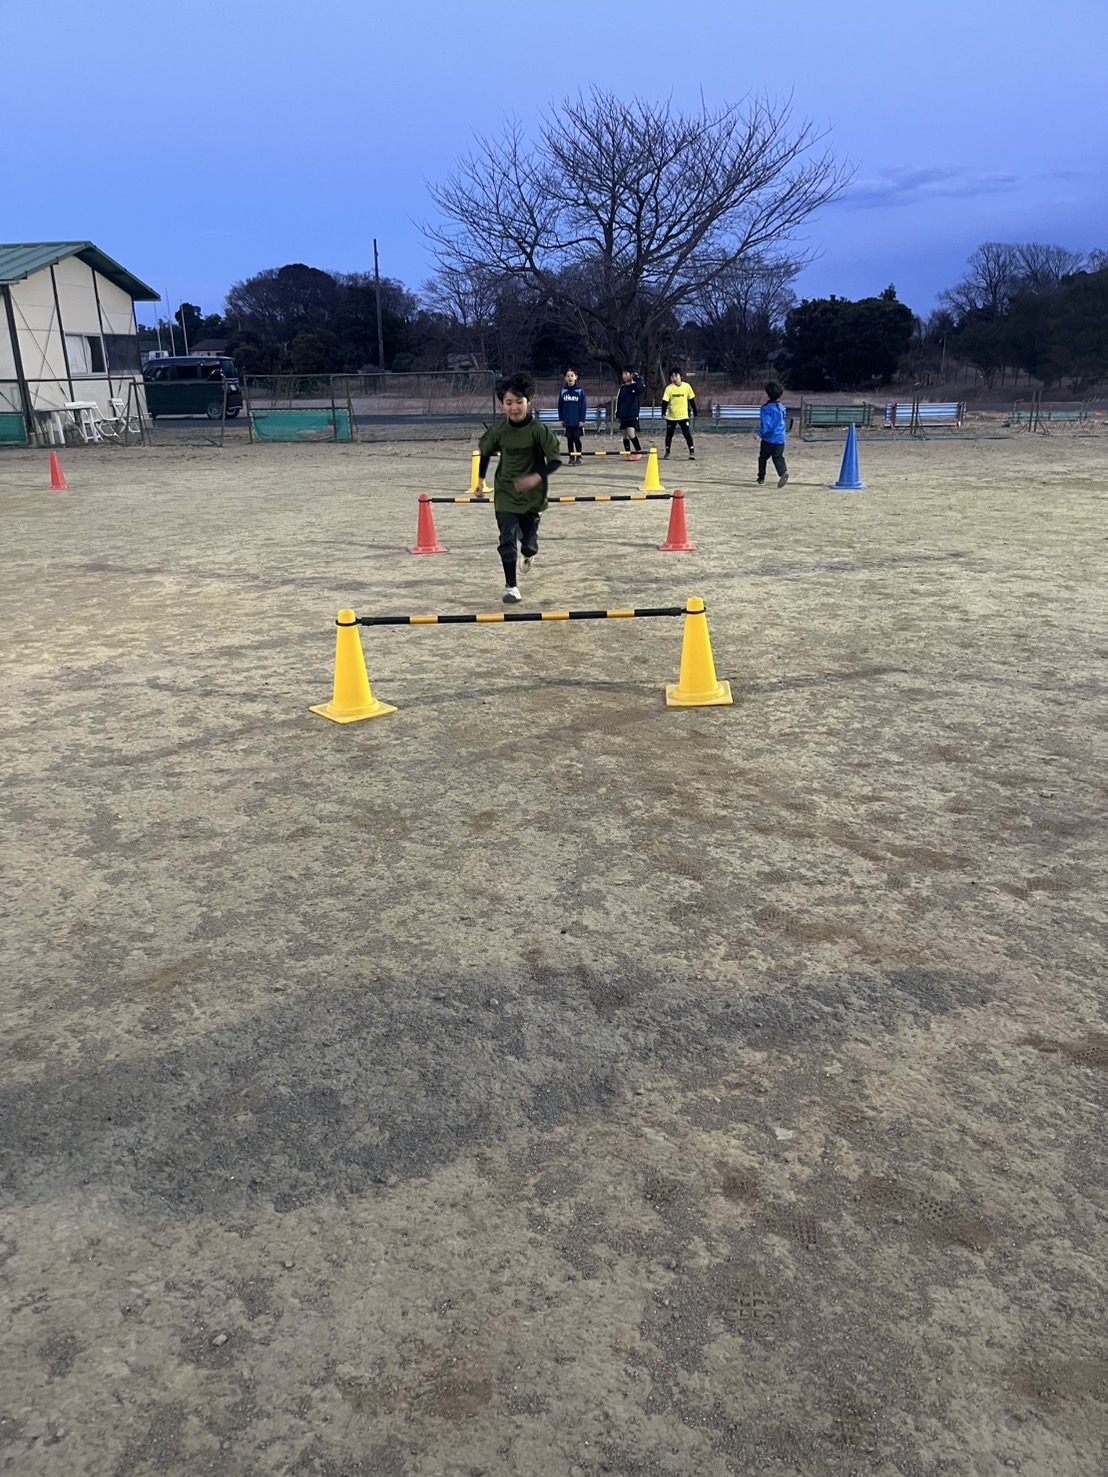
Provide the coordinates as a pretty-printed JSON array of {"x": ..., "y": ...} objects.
[
  {"x": 817, "y": 417},
  {"x": 1023, "y": 415},
  {"x": 736, "y": 417},
  {"x": 597, "y": 419},
  {"x": 910, "y": 415}
]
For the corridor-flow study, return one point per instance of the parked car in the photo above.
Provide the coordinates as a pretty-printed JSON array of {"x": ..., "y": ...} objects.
[{"x": 192, "y": 384}]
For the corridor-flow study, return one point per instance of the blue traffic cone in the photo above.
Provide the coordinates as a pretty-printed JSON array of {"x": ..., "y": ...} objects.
[{"x": 850, "y": 478}]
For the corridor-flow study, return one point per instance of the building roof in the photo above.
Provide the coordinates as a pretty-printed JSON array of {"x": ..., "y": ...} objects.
[{"x": 20, "y": 259}]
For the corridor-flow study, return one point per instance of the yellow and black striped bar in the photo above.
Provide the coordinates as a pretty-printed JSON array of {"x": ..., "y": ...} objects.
[
  {"x": 611, "y": 497},
  {"x": 504, "y": 617}
]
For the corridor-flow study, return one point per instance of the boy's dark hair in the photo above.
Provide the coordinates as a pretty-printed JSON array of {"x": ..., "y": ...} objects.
[
  {"x": 773, "y": 390},
  {"x": 521, "y": 384},
  {"x": 676, "y": 370},
  {"x": 569, "y": 369},
  {"x": 630, "y": 371}
]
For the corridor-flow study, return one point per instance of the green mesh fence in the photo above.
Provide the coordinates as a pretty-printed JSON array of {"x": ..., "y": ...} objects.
[
  {"x": 13, "y": 428},
  {"x": 301, "y": 425}
]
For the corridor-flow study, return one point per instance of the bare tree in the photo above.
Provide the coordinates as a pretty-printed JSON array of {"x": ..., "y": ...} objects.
[
  {"x": 740, "y": 313},
  {"x": 998, "y": 272},
  {"x": 622, "y": 213},
  {"x": 989, "y": 285}
]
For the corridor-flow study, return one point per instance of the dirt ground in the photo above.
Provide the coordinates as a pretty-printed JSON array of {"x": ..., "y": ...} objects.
[{"x": 540, "y": 1081}]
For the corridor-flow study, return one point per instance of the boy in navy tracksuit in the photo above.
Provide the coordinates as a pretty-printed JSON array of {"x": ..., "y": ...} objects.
[
  {"x": 771, "y": 428},
  {"x": 628, "y": 410},
  {"x": 572, "y": 411}
]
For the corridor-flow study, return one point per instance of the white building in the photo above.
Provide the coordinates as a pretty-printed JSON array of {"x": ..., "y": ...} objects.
[{"x": 68, "y": 333}]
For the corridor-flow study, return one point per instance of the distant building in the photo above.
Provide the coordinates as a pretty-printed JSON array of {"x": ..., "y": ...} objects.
[
  {"x": 67, "y": 331},
  {"x": 209, "y": 346}
]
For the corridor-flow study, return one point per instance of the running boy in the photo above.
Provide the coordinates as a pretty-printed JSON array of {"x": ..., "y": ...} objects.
[
  {"x": 771, "y": 428},
  {"x": 573, "y": 410},
  {"x": 529, "y": 453},
  {"x": 679, "y": 400},
  {"x": 628, "y": 409}
]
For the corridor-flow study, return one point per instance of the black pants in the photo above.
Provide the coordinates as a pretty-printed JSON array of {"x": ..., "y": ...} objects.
[
  {"x": 517, "y": 531},
  {"x": 671, "y": 426},
  {"x": 573, "y": 439},
  {"x": 771, "y": 451},
  {"x": 630, "y": 431}
]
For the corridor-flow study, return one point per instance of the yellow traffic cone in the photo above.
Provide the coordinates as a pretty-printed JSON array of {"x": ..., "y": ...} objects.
[
  {"x": 698, "y": 685},
  {"x": 652, "y": 482},
  {"x": 474, "y": 479},
  {"x": 352, "y": 700}
]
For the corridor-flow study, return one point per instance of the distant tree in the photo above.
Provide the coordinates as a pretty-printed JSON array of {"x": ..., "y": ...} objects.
[
  {"x": 210, "y": 326},
  {"x": 355, "y": 319},
  {"x": 623, "y": 212},
  {"x": 314, "y": 353},
  {"x": 466, "y": 300},
  {"x": 740, "y": 316},
  {"x": 835, "y": 344},
  {"x": 280, "y": 302},
  {"x": 188, "y": 318},
  {"x": 983, "y": 341},
  {"x": 990, "y": 282},
  {"x": 1080, "y": 313}
]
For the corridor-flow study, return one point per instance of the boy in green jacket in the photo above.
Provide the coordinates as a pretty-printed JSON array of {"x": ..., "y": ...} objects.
[{"x": 529, "y": 454}]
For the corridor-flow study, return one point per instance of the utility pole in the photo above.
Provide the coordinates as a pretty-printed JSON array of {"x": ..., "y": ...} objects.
[{"x": 377, "y": 295}]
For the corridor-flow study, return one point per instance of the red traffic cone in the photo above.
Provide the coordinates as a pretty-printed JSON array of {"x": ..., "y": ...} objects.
[
  {"x": 677, "y": 539},
  {"x": 57, "y": 481},
  {"x": 427, "y": 540}
]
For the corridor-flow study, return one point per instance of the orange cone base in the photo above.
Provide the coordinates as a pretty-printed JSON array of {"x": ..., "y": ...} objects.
[
  {"x": 434, "y": 549},
  {"x": 352, "y": 715}
]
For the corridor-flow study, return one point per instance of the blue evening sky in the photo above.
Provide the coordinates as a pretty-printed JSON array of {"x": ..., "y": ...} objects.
[{"x": 198, "y": 144}]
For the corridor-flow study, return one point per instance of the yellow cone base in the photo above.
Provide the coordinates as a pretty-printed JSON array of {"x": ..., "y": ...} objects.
[
  {"x": 720, "y": 698},
  {"x": 352, "y": 715}
]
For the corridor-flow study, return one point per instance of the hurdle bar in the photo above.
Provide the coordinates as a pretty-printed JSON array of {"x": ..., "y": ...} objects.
[
  {"x": 501, "y": 617},
  {"x": 696, "y": 687},
  {"x": 611, "y": 497}
]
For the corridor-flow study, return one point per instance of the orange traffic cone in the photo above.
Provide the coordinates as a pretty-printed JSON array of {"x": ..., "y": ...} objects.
[
  {"x": 352, "y": 699},
  {"x": 677, "y": 539},
  {"x": 57, "y": 481},
  {"x": 697, "y": 686},
  {"x": 427, "y": 540}
]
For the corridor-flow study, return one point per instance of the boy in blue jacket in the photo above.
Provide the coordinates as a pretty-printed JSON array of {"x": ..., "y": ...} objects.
[
  {"x": 771, "y": 428},
  {"x": 573, "y": 409}
]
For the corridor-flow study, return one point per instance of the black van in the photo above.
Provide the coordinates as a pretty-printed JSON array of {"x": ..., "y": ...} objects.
[{"x": 192, "y": 384}]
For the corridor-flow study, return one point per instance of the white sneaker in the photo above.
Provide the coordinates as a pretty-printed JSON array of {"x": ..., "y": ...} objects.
[
  {"x": 528, "y": 560},
  {"x": 511, "y": 595}
]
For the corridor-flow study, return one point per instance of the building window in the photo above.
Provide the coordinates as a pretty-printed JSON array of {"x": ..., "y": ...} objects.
[
  {"x": 86, "y": 353},
  {"x": 123, "y": 353}
]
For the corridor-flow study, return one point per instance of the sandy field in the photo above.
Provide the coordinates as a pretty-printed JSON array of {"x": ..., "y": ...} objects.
[{"x": 538, "y": 1080}]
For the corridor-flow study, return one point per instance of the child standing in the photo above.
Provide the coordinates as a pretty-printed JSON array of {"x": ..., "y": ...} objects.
[
  {"x": 529, "y": 453},
  {"x": 573, "y": 409},
  {"x": 771, "y": 428},
  {"x": 679, "y": 400},
  {"x": 628, "y": 409}
]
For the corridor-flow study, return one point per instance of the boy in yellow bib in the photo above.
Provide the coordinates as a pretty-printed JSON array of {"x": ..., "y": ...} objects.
[{"x": 679, "y": 400}]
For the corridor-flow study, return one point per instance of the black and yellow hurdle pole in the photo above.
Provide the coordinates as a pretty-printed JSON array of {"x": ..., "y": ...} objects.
[
  {"x": 696, "y": 687},
  {"x": 610, "y": 497}
]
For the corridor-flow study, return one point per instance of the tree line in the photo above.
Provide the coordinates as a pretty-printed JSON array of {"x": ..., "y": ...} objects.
[{"x": 630, "y": 234}]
